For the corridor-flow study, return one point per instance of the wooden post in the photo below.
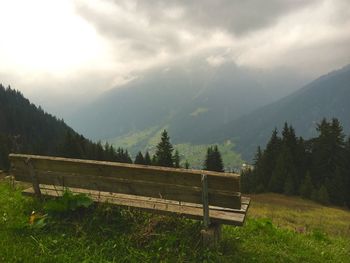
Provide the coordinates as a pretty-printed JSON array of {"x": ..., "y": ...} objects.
[
  {"x": 35, "y": 181},
  {"x": 211, "y": 236},
  {"x": 211, "y": 233},
  {"x": 205, "y": 200}
]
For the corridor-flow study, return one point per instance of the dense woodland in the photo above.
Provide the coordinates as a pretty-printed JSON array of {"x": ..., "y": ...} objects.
[
  {"x": 26, "y": 128},
  {"x": 317, "y": 169}
]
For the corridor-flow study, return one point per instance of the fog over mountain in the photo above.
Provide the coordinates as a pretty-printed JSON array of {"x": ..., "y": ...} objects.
[
  {"x": 326, "y": 97},
  {"x": 64, "y": 54},
  {"x": 187, "y": 98}
]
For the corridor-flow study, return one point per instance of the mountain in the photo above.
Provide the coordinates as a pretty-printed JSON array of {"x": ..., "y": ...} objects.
[
  {"x": 186, "y": 99},
  {"x": 26, "y": 128},
  {"x": 326, "y": 97},
  {"x": 30, "y": 128}
]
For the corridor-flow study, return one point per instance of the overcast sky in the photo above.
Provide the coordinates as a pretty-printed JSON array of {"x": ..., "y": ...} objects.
[{"x": 51, "y": 49}]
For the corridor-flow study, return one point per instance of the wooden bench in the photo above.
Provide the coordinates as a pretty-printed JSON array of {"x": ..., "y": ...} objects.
[{"x": 212, "y": 197}]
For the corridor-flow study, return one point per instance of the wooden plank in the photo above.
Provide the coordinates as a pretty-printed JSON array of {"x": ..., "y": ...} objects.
[
  {"x": 243, "y": 210},
  {"x": 205, "y": 201},
  {"x": 162, "y": 206},
  {"x": 141, "y": 188},
  {"x": 218, "y": 181}
]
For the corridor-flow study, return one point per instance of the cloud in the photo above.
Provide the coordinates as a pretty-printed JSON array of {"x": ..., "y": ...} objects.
[
  {"x": 258, "y": 33},
  {"x": 86, "y": 46}
]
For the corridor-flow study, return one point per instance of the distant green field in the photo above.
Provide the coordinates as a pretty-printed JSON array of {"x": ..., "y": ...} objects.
[
  {"x": 278, "y": 229},
  {"x": 147, "y": 140}
]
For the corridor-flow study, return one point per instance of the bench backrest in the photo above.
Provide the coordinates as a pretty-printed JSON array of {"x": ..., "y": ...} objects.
[{"x": 151, "y": 181}]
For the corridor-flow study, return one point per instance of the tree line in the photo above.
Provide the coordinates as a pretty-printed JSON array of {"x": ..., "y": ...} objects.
[
  {"x": 25, "y": 128},
  {"x": 317, "y": 169},
  {"x": 165, "y": 155}
]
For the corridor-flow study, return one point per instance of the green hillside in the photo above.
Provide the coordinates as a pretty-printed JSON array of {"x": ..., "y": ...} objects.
[
  {"x": 278, "y": 229},
  {"x": 147, "y": 140}
]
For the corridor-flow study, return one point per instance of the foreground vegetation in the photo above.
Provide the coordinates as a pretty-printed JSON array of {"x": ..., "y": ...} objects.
[{"x": 296, "y": 231}]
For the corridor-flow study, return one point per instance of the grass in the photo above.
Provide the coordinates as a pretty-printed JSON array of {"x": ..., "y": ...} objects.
[
  {"x": 300, "y": 215},
  {"x": 110, "y": 234}
]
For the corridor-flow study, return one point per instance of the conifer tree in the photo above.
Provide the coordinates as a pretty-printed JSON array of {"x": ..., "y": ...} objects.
[
  {"x": 269, "y": 160},
  {"x": 283, "y": 175},
  {"x": 164, "y": 151},
  {"x": 147, "y": 159},
  {"x": 306, "y": 187},
  {"x": 251, "y": 178},
  {"x": 187, "y": 165},
  {"x": 323, "y": 196},
  {"x": 347, "y": 174},
  {"x": 329, "y": 158},
  {"x": 289, "y": 185},
  {"x": 176, "y": 159},
  {"x": 213, "y": 160},
  {"x": 154, "y": 160},
  {"x": 139, "y": 159}
]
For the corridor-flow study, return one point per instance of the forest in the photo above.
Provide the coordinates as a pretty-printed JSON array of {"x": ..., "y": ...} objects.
[
  {"x": 26, "y": 128},
  {"x": 317, "y": 168}
]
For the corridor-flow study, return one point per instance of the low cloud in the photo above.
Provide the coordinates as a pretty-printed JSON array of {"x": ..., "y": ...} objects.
[{"x": 84, "y": 47}]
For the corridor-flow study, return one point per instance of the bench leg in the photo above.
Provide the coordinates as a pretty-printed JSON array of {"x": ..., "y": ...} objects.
[{"x": 211, "y": 236}]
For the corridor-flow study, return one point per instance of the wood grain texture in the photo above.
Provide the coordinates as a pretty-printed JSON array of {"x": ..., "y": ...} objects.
[
  {"x": 161, "y": 206},
  {"x": 158, "y": 182},
  {"x": 216, "y": 180}
]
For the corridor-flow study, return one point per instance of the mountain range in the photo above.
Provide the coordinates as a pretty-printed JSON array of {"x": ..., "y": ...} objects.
[
  {"x": 189, "y": 101},
  {"x": 225, "y": 105},
  {"x": 326, "y": 97}
]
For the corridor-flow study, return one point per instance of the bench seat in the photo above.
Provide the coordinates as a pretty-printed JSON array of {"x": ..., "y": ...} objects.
[
  {"x": 217, "y": 215},
  {"x": 213, "y": 197}
]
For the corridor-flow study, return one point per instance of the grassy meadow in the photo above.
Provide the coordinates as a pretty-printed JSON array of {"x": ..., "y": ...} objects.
[{"x": 278, "y": 229}]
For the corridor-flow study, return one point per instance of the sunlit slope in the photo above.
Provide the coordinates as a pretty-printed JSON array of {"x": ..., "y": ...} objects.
[{"x": 147, "y": 140}]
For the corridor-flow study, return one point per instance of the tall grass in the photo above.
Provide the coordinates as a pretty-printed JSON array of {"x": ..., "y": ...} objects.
[{"x": 103, "y": 233}]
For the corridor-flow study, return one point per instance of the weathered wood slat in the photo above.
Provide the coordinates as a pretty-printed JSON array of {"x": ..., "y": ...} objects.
[
  {"x": 218, "y": 181},
  {"x": 150, "y": 204},
  {"x": 141, "y": 188},
  {"x": 205, "y": 201},
  {"x": 244, "y": 200},
  {"x": 60, "y": 189}
]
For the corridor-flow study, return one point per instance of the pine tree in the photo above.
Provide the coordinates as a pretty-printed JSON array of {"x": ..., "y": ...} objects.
[
  {"x": 323, "y": 196},
  {"x": 269, "y": 160},
  {"x": 289, "y": 185},
  {"x": 187, "y": 165},
  {"x": 328, "y": 167},
  {"x": 213, "y": 160},
  {"x": 284, "y": 170},
  {"x": 306, "y": 187},
  {"x": 147, "y": 158},
  {"x": 176, "y": 159},
  {"x": 253, "y": 182},
  {"x": 164, "y": 151},
  {"x": 5, "y": 148},
  {"x": 139, "y": 159},
  {"x": 347, "y": 174}
]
